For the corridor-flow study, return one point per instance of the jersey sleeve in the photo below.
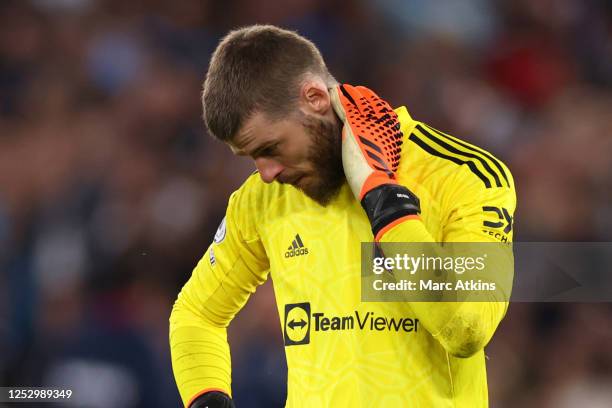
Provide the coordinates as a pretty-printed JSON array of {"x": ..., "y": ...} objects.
[
  {"x": 480, "y": 214},
  {"x": 476, "y": 215},
  {"x": 221, "y": 283}
]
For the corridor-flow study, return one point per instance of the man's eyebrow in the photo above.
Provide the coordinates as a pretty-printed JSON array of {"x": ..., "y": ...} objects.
[{"x": 259, "y": 149}]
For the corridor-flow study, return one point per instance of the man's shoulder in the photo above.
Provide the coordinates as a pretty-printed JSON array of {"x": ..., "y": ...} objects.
[{"x": 461, "y": 160}]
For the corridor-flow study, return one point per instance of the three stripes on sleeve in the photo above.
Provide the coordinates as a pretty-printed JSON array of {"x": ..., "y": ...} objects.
[{"x": 486, "y": 167}]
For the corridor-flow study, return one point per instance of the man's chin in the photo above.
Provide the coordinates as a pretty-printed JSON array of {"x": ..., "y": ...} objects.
[{"x": 323, "y": 195}]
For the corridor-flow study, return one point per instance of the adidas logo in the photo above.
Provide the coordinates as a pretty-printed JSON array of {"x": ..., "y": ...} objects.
[{"x": 296, "y": 248}]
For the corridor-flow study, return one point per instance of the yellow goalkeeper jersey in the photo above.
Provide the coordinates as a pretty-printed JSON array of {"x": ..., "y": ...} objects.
[{"x": 342, "y": 352}]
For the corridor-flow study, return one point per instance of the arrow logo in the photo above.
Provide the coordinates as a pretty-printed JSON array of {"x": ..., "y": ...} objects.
[
  {"x": 293, "y": 324},
  {"x": 297, "y": 316}
]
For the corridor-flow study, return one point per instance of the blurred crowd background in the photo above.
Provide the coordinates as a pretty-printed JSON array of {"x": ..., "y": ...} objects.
[{"x": 110, "y": 189}]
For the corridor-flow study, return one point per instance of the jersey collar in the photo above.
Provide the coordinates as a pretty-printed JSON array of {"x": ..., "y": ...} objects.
[{"x": 406, "y": 121}]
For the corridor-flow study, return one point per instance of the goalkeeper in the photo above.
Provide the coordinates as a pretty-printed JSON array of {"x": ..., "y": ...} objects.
[{"x": 337, "y": 166}]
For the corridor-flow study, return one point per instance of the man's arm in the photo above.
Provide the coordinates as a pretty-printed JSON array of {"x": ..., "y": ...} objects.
[
  {"x": 228, "y": 273},
  {"x": 371, "y": 146},
  {"x": 464, "y": 328}
]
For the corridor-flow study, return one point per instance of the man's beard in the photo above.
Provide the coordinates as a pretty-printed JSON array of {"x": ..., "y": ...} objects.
[{"x": 325, "y": 157}]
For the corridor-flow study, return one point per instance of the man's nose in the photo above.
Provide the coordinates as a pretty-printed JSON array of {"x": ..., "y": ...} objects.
[{"x": 268, "y": 169}]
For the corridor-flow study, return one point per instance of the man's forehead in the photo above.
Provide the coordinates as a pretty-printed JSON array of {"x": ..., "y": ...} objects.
[
  {"x": 256, "y": 129},
  {"x": 245, "y": 136}
]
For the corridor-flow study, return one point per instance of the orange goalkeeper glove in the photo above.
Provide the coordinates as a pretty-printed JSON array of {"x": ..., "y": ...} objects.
[{"x": 371, "y": 147}]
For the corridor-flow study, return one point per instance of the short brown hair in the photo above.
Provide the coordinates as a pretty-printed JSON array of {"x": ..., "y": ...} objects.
[{"x": 256, "y": 68}]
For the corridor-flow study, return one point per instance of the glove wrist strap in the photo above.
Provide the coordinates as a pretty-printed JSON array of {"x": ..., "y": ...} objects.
[
  {"x": 213, "y": 399},
  {"x": 387, "y": 203}
]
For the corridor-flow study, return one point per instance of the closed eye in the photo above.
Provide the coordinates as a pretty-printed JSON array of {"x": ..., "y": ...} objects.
[{"x": 266, "y": 150}]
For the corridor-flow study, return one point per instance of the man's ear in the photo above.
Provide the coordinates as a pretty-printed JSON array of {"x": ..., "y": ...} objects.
[{"x": 314, "y": 97}]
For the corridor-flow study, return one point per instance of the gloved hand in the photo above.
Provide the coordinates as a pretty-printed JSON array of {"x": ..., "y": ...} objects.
[
  {"x": 371, "y": 147},
  {"x": 213, "y": 399}
]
